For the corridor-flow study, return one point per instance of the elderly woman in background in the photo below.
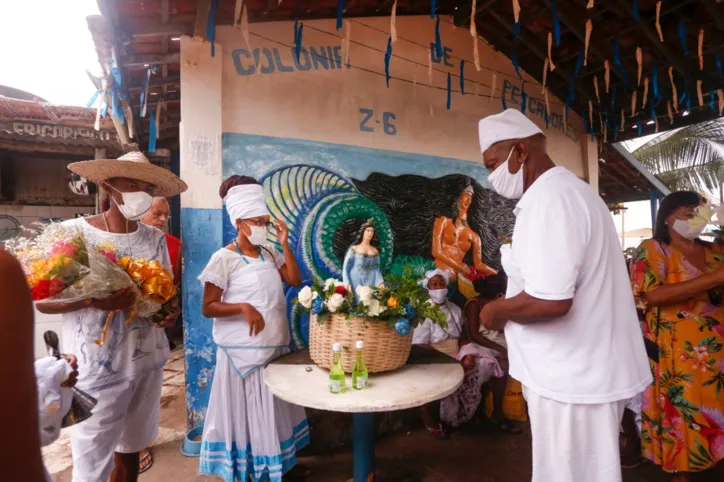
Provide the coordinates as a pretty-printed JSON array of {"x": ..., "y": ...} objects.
[{"x": 677, "y": 280}]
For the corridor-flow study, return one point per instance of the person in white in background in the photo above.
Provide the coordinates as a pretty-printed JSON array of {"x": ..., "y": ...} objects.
[
  {"x": 125, "y": 373},
  {"x": 248, "y": 432},
  {"x": 569, "y": 315}
]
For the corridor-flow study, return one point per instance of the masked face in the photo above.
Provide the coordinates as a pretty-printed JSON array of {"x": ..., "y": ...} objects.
[
  {"x": 258, "y": 234},
  {"x": 135, "y": 204},
  {"x": 688, "y": 230},
  {"x": 506, "y": 184},
  {"x": 438, "y": 296}
]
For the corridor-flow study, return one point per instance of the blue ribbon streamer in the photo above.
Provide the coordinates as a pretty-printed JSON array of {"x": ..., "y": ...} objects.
[
  {"x": 438, "y": 40},
  {"x": 516, "y": 30},
  {"x": 340, "y": 11},
  {"x": 449, "y": 90},
  {"x": 502, "y": 99},
  {"x": 685, "y": 92},
  {"x": 433, "y": 7},
  {"x": 688, "y": 103},
  {"x": 462, "y": 77},
  {"x": 652, "y": 111},
  {"x": 514, "y": 59},
  {"x": 211, "y": 26},
  {"x": 548, "y": 120},
  {"x": 635, "y": 8},
  {"x": 151, "y": 132},
  {"x": 640, "y": 128},
  {"x": 388, "y": 56},
  {"x": 655, "y": 80},
  {"x": 556, "y": 23},
  {"x": 719, "y": 66},
  {"x": 144, "y": 88},
  {"x": 616, "y": 52},
  {"x": 711, "y": 99},
  {"x": 117, "y": 111},
  {"x": 682, "y": 36},
  {"x": 298, "y": 27},
  {"x": 613, "y": 97},
  {"x": 616, "y": 128},
  {"x": 579, "y": 64},
  {"x": 94, "y": 97},
  {"x": 523, "y": 99}
]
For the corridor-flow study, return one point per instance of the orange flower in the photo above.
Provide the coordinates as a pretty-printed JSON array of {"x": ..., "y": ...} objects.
[{"x": 392, "y": 302}]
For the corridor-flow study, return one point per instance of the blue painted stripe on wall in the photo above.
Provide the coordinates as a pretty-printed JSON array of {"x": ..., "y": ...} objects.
[{"x": 201, "y": 232}]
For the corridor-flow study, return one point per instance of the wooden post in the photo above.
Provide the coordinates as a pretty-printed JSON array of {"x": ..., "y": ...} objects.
[{"x": 100, "y": 193}]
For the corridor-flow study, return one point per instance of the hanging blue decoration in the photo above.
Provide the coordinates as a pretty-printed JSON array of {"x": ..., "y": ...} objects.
[
  {"x": 104, "y": 110},
  {"x": 688, "y": 103},
  {"x": 462, "y": 77},
  {"x": 556, "y": 23},
  {"x": 579, "y": 64},
  {"x": 711, "y": 99},
  {"x": 616, "y": 52},
  {"x": 388, "y": 56},
  {"x": 547, "y": 119},
  {"x": 115, "y": 104},
  {"x": 523, "y": 98},
  {"x": 682, "y": 36},
  {"x": 438, "y": 40},
  {"x": 151, "y": 132},
  {"x": 635, "y": 8},
  {"x": 502, "y": 99},
  {"x": 211, "y": 27},
  {"x": 640, "y": 127},
  {"x": 340, "y": 10},
  {"x": 613, "y": 97},
  {"x": 585, "y": 125},
  {"x": 655, "y": 81},
  {"x": 719, "y": 66},
  {"x": 449, "y": 90},
  {"x": 144, "y": 91},
  {"x": 516, "y": 30},
  {"x": 615, "y": 130},
  {"x": 298, "y": 27},
  {"x": 685, "y": 92},
  {"x": 98, "y": 92},
  {"x": 652, "y": 111},
  {"x": 433, "y": 7},
  {"x": 514, "y": 59}
]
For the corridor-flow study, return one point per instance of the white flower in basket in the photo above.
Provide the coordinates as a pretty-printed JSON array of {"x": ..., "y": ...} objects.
[
  {"x": 331, "y": 282},
  {"x": 365, "y": 294},
  {"x": 334, "y": 303},
  {"x": 374, "y": 308},
  {"x": 306, "y": 297}
]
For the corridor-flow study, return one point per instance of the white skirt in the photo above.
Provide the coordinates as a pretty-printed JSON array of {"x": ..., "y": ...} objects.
[{"x": 248, "y": 432}]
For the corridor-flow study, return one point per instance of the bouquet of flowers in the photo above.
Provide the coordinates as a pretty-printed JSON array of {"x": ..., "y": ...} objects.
[
  {"x": 402, "y": 303},
  {"x": 60, "y": 267}
]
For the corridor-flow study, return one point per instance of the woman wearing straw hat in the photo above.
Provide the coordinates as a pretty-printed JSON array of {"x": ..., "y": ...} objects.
[{"x": 125, "y": 373}]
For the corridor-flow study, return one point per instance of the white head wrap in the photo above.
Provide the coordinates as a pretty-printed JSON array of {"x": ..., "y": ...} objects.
[
  {"x": 245, "y": 202},
  {"x": 436, "y": 272},
  {"x": 509, "y": 124}
]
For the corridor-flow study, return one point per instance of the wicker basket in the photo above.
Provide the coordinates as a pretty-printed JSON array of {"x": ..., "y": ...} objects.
[{"x": 384, "y": 350}]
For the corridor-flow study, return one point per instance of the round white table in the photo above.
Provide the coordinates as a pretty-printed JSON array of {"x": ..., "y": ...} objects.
[{"x": 427, "y": 377}]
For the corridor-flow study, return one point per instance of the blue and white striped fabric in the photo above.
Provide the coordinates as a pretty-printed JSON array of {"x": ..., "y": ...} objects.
[{"x": 249, "y": 433}]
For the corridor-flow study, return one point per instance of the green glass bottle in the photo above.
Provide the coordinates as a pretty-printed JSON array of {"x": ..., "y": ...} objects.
[
  {"x": 336, "y": 372},
  {"x": 359, "y": 372}
]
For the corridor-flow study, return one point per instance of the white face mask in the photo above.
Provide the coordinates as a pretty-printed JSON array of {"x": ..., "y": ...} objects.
[
  {"x": 258, "y": 234},
  {"x": 688, "y": 231},
  {"x": 135, "y": 204},
  {"x": 438, "y": 296},
  {"x": 506, "y": 184}
]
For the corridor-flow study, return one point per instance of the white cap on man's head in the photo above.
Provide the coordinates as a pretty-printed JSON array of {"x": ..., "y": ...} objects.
[{"x": 509, "y": 124}]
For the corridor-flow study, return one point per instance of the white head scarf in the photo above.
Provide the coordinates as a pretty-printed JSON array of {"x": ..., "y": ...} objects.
[
  {"x": 436, "y": 272},
  {"x": 245, "y": 202},
  {"x": 509, "y": 124}
]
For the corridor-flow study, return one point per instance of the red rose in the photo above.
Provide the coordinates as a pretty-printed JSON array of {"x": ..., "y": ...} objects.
[
  {"x": 340, "y": 290},
  {"x": 41, "y": 290},
  {"x": 56, "y": 286}
]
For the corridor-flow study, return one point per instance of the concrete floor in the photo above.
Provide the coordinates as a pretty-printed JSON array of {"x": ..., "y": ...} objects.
[{"x": 469, "y": 456}]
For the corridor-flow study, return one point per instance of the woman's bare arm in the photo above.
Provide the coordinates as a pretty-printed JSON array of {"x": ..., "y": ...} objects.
[
  {"x": 21, "y": 459},
  {"x": 675, "y": 293}
]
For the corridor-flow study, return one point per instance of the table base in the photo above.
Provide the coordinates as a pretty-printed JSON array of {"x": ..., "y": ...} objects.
[{"x": 364, "y": 447}]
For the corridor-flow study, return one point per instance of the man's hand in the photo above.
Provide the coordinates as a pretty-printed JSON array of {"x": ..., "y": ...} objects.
[
  {"x": 169, "y": 321},
  {"x": 282, "y": 232},
  {"x": 118, "y": 301},
  {"x": 73, "y": 378},
  {"x": 254, "y": 318},
  {"x": 489, "y": 317}
]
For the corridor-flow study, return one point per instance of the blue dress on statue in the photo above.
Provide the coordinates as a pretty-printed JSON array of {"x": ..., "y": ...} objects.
[{"x": 361, "y": 270}]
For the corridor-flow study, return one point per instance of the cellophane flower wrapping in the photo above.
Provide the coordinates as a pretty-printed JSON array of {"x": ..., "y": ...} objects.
[{"x": 61, "y": 266}]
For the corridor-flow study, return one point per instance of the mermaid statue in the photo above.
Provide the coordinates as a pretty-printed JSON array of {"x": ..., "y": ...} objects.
[{"x": 362, "y": 262}]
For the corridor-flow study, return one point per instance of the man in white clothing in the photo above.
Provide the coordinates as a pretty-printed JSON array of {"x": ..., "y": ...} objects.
[{"x": 569, "y": 314}]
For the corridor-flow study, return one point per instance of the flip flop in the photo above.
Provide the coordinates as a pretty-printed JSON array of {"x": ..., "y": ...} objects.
[
  {"x": 146, "y": 462},
  {"x": 438, "y": 432},
  {"x": 508, "y": 427}
]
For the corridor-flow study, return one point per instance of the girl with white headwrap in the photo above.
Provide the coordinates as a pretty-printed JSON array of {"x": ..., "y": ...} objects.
[{"x": 248, "y": 432}]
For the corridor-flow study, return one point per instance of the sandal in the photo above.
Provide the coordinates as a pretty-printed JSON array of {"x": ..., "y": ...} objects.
[
  {"x": 438, "y": 432},
  {"x": 145, "y": 461}
]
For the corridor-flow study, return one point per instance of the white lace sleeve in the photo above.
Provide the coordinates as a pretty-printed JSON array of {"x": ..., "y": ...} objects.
[{"x": 216, "y": 271}]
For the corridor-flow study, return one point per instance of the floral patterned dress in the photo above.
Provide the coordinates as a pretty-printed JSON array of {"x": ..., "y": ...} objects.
[{"x": 683, "y": 409}]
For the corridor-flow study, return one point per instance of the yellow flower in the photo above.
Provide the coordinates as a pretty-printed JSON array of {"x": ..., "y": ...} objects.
[{"x": 392, "y": 302}]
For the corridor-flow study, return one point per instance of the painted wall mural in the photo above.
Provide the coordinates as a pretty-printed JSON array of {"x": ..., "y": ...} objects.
[{"x": 443, "y": 215}]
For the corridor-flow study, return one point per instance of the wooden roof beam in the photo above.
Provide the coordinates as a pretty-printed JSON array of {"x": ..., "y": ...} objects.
[
  {"x": 143, "y": 60},
  {"x": 147, "y": 29},
  {"x": 202, "y": 17},
  {"x": 717, "y": 13},
  {"x": 481, "y": 8}
]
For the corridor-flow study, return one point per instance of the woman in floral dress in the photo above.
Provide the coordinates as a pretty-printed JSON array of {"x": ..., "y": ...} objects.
[{"x": 677, "y": 280}]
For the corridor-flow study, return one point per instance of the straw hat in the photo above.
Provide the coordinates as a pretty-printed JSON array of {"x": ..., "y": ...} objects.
[{"x": 133, "y": 165}]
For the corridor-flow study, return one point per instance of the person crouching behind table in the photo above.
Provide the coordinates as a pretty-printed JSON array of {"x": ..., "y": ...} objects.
[{"x": 248, "y": 431}]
